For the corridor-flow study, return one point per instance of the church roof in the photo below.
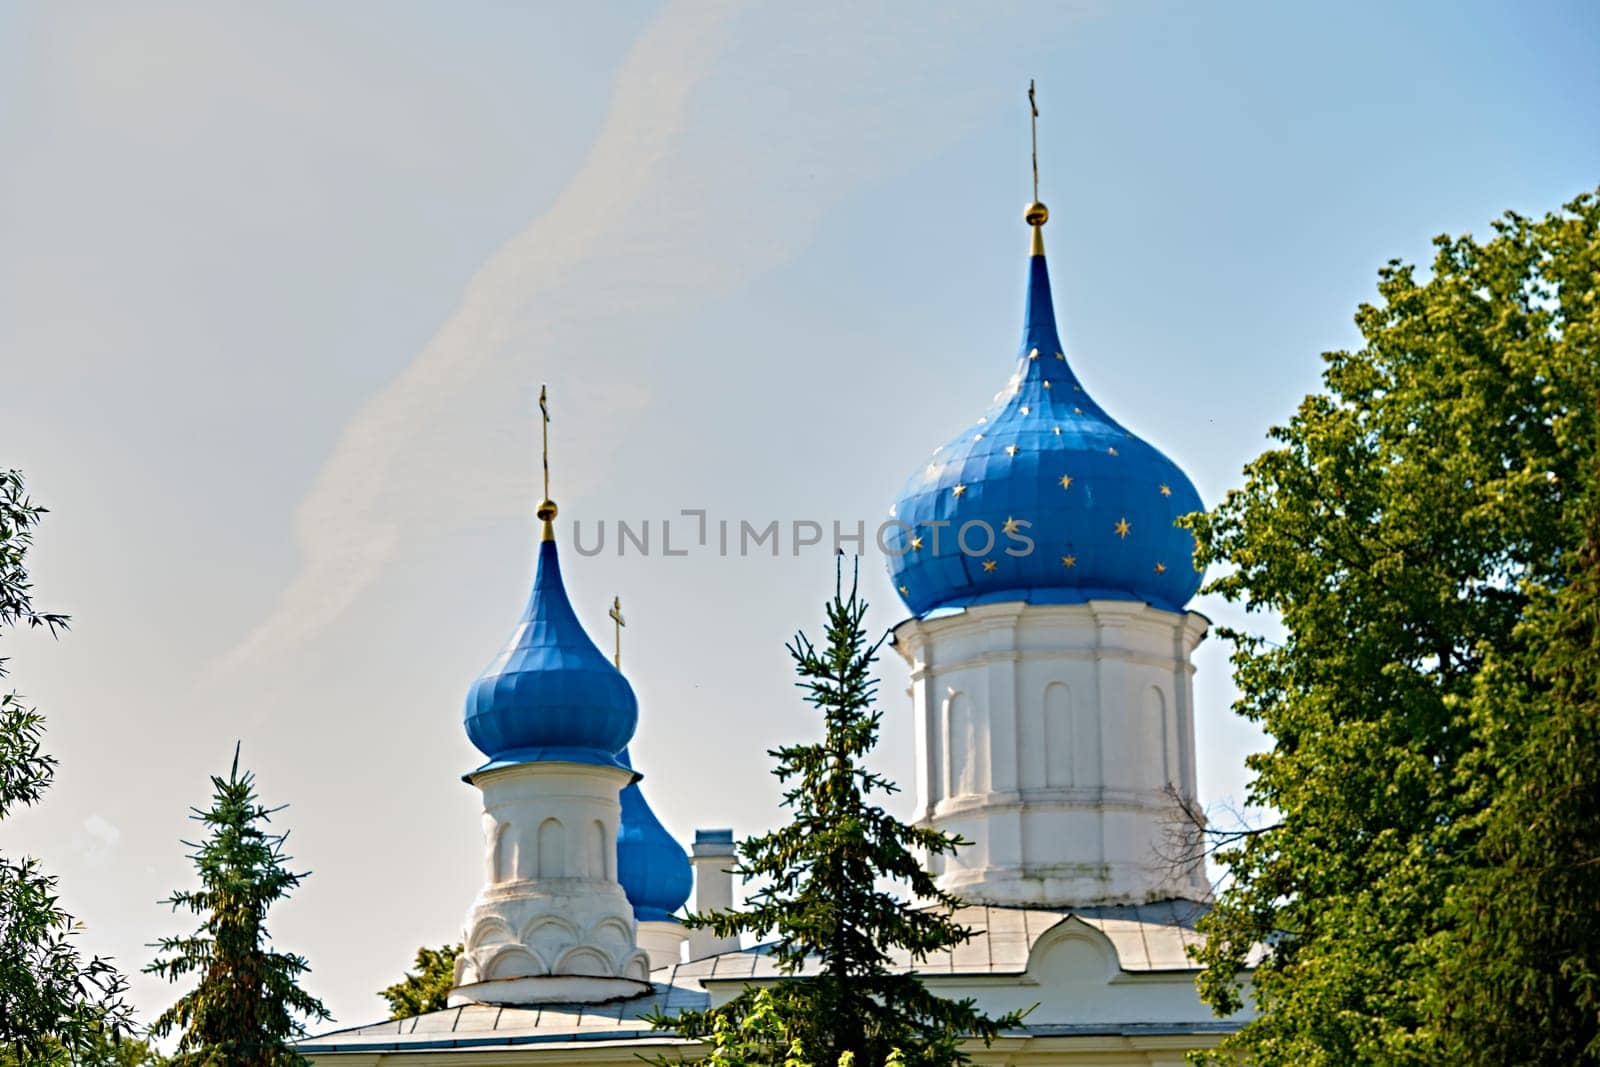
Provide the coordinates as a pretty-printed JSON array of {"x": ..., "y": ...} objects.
[
  {"x": 653, "y": 868},
  {"x": 550, "y": 694},
  {"x": 1046, "y": 499},
  {"x": 1147, "y": 939}
]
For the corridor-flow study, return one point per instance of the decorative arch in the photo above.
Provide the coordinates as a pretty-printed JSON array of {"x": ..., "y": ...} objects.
[
  {"x": 599, "y": 860},
  {"x": 1059, "y": 745},
  {"x": 969, "y": 747},
  {"x": 514, "y": 961},
  {"x": 1157, "y": 732},
  {"x": 490, "y": 930},
  {"x": 503, "y": 853},
  {"x": 1073, "y": 953},
  {"x": 585, "y": 960},
  {"x": 552, "y": 850},
  {"x": 540, "y": 927},
  {"x": 614, "y": 931},
  {"x": 638, "y": 967},
  {"x": 1082, "y": 730}
]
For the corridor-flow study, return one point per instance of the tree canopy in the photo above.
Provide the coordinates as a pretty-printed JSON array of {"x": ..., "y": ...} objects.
[
  {"x": 427, "y": 986},
  {"x": 828, "y": 894},
  {"x": 1425, "y": 530},
  {"x": 53, "y": 1002}
]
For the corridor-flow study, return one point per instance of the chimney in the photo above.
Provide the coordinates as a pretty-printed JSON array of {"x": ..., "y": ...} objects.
[{"x": 714, "y": 857}]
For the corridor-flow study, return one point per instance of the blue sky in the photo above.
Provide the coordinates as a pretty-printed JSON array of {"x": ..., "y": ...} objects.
[{"x": 278, "y": 286}]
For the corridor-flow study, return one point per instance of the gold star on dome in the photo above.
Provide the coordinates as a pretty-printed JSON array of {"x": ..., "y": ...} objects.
[
  {"x": 989, "y": 565},
  {"x": 1047, "y": 383},
  {"x": 1024, "y": 409},
  {"x": 1062, "y": 356},
  {"x": 1077, "y": 411},
  {"x": 1010, "y": 525},
  {"x": 1034, "y": 354},
  {"x": 904, "y": 591},
  {"x": 1161, "y": 568},
  {"x": 1166, "y": 490},
  {"x": 1056, "y": 430},
  {"x": 1066, "y": 481},
  {"x": 1069, "y": 561},
  {"x": 1077, "y": 388},
  {"x": 978, "y": 438},
  {"x": 958, "y": 490},
  {"x": 1012, "y": 450},
  {"x": 1113, "y": 451},
  {"x": 916, "y": 544},
  {"x": 1122, "y": 528}
]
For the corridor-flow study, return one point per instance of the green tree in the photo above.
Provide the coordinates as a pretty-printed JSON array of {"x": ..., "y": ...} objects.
[
  {"x": 827, "y": 895},
  {"x": 1409, "y": 530},
  {"x": 427, "y": 987},
  {"x": 52, "y": 1001},
  {"x": 103, "y": 1049},
  {"x": 247, "y": 1006},
  {"x": 1517, "y": 962}
]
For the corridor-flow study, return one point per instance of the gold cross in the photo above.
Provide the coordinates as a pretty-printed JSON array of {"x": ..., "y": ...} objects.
[
  {"x": 544, "y": 409},
  {"x": 1033, "y": 107},
  {"x": 616, "y": 617}
]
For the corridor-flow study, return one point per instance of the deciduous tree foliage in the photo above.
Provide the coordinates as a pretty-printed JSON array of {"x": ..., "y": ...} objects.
[
  {"x": 426, "y": 987},
  {"x": 827, "y": 896},
  {"x": 104, "y": 1049},
  {"x": 53, "y": 1003},
  {"x": 1425, "y": 531},
  {"x": 247, "y": 1006}
]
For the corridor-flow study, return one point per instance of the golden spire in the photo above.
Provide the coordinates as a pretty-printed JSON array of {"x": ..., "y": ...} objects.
[
  {"x": 1035, "y": 214},
  {"x": 616, "y": 617},
  {"x": 547, "y": 507}
]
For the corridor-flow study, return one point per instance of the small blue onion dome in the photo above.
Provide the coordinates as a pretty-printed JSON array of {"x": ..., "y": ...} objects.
[
  {"x": 652, "y": 867},
  {"x": 1044, "y": 465},
  {"x": 551, "y": 695}
]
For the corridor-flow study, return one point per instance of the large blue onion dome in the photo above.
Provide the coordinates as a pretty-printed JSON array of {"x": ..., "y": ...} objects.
[
  {"x": 1044, "y": 464},
  {"x": 551, "y": 695},
  {"x": 652, "y": 867}
]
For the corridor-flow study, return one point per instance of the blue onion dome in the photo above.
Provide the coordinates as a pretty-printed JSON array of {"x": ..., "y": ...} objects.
[
  {"x": 652, "y": 867},
  {"x": 1046, "y": 465},
  {"x": 551, "y": 695}
]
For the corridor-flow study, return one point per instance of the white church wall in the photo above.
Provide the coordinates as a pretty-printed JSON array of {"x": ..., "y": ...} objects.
[
  {"x": 550, "y": 922},
  {"x": 1058, "y": 739}
]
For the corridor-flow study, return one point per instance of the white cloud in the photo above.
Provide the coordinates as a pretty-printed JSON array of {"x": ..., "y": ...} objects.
[
  {"x": 96, "y": 841},
  {"x": 413, "y": 457}
]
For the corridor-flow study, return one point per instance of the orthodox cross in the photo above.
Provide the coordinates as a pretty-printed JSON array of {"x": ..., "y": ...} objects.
[
  {"x": 1034, "y": 120},
  {"x": 544, "y": 409},
  {"x": 616, "y": 617}
]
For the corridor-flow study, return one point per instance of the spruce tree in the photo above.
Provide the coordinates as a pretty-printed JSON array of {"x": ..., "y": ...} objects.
[
  {"x": 248, "y": 1005},
  {"x": 828, "y": 894}
]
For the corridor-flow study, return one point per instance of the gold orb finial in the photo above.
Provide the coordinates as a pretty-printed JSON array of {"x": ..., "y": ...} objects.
[
  {"x": 546, "y": 512},
  {"x": 1036, "y": 214}
]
